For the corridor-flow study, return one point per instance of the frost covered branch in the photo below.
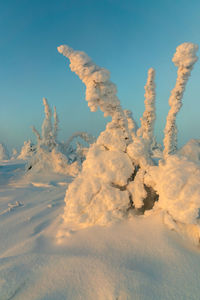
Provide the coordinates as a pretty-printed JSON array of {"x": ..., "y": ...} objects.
[
  {"x": 37, "y": 134},
  {"x": 184, "y": 58},
  {"x": 84, "y": 135}
]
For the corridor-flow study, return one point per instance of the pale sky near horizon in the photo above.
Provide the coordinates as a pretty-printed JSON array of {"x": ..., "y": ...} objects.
[{"x": 126, "y": 37}]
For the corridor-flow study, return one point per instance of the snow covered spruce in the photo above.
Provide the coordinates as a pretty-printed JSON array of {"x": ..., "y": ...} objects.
[
  {"x": 119, "y": 175},
  {"x": 104, "y": 190},
  {"x": 50, "y": 154}
]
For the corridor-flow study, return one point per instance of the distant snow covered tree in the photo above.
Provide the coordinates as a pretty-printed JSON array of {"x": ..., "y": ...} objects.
[
  {"x": 4, "y": 154},
  {"x": 47, "y": 155},
  {"x": 184, "y": 58},
  {"x": 27, "y": 150},
  {"x": 51, "y": 154},
  {"x": 14, "y": 153},
  {"x": 191, "y": 150}
]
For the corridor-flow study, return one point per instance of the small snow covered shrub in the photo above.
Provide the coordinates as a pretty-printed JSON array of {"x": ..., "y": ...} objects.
[{"x": 120, "y": 174}]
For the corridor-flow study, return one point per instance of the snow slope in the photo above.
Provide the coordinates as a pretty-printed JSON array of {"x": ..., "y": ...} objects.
[{"x": 137, "y": 259}]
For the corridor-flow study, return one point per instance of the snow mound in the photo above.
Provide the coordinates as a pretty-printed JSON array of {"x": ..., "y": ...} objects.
[{"x": 52, "y": 161}]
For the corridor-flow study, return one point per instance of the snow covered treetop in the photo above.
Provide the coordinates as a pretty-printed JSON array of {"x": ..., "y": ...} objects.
[
  {"x": 100, "y": 91},
  {"x": 185, "y": 55}
]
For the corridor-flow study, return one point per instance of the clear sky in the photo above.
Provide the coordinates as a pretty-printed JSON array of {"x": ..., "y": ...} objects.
[{"x": 125, "y": 36}]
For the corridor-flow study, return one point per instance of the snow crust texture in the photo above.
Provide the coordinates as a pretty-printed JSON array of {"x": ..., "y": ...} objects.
[{"x": 134, "y": 259}]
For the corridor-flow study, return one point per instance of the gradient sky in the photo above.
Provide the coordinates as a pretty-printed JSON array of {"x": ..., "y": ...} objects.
[{"x": 125, "y": 36}]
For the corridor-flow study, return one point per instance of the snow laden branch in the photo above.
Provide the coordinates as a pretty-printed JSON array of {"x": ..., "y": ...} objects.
[
  {"x": 100, "y": 91},
  {"x": 83, "y": 135},
  {"x": 147, "y": 121},
  {"x": 36, "y": 134},
  {"x": 184, "y": 58}
]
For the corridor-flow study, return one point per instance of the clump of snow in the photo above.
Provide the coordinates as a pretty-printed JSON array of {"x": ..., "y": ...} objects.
[
  {"x": 177, "y": 182},
  {"x": 191, "y": 150},
  {"x": 98, "y": 195},
  {"x": 4, "y": 154},
  {"x": 184, "y": 58},
  {"x": 139, "y": 152}
]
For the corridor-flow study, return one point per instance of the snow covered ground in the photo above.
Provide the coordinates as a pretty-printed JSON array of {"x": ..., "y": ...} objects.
[{"x": 139, "y": 258}]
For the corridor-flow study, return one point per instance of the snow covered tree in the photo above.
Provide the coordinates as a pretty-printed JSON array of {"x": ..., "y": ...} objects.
[
  {"x": 119, "y": 175},
  {"x": 47, "y": 155},
  {"x": 184, "y": 58},
  {"x": 27, "y": 150},
  {"x": 54, "y": 155},
  {"x": 102, "y": 191},
  {"x": 4, "y": 154}
]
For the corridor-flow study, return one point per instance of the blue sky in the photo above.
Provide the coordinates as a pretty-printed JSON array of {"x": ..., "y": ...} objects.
[{"x": 126, "y": 37}]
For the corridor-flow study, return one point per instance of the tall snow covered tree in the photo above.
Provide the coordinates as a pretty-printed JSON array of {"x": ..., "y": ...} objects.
[
  {"x": 184, "y": 58},
  {"x": 102, "y": 192},
  {"x": 148, "y": 119}
]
